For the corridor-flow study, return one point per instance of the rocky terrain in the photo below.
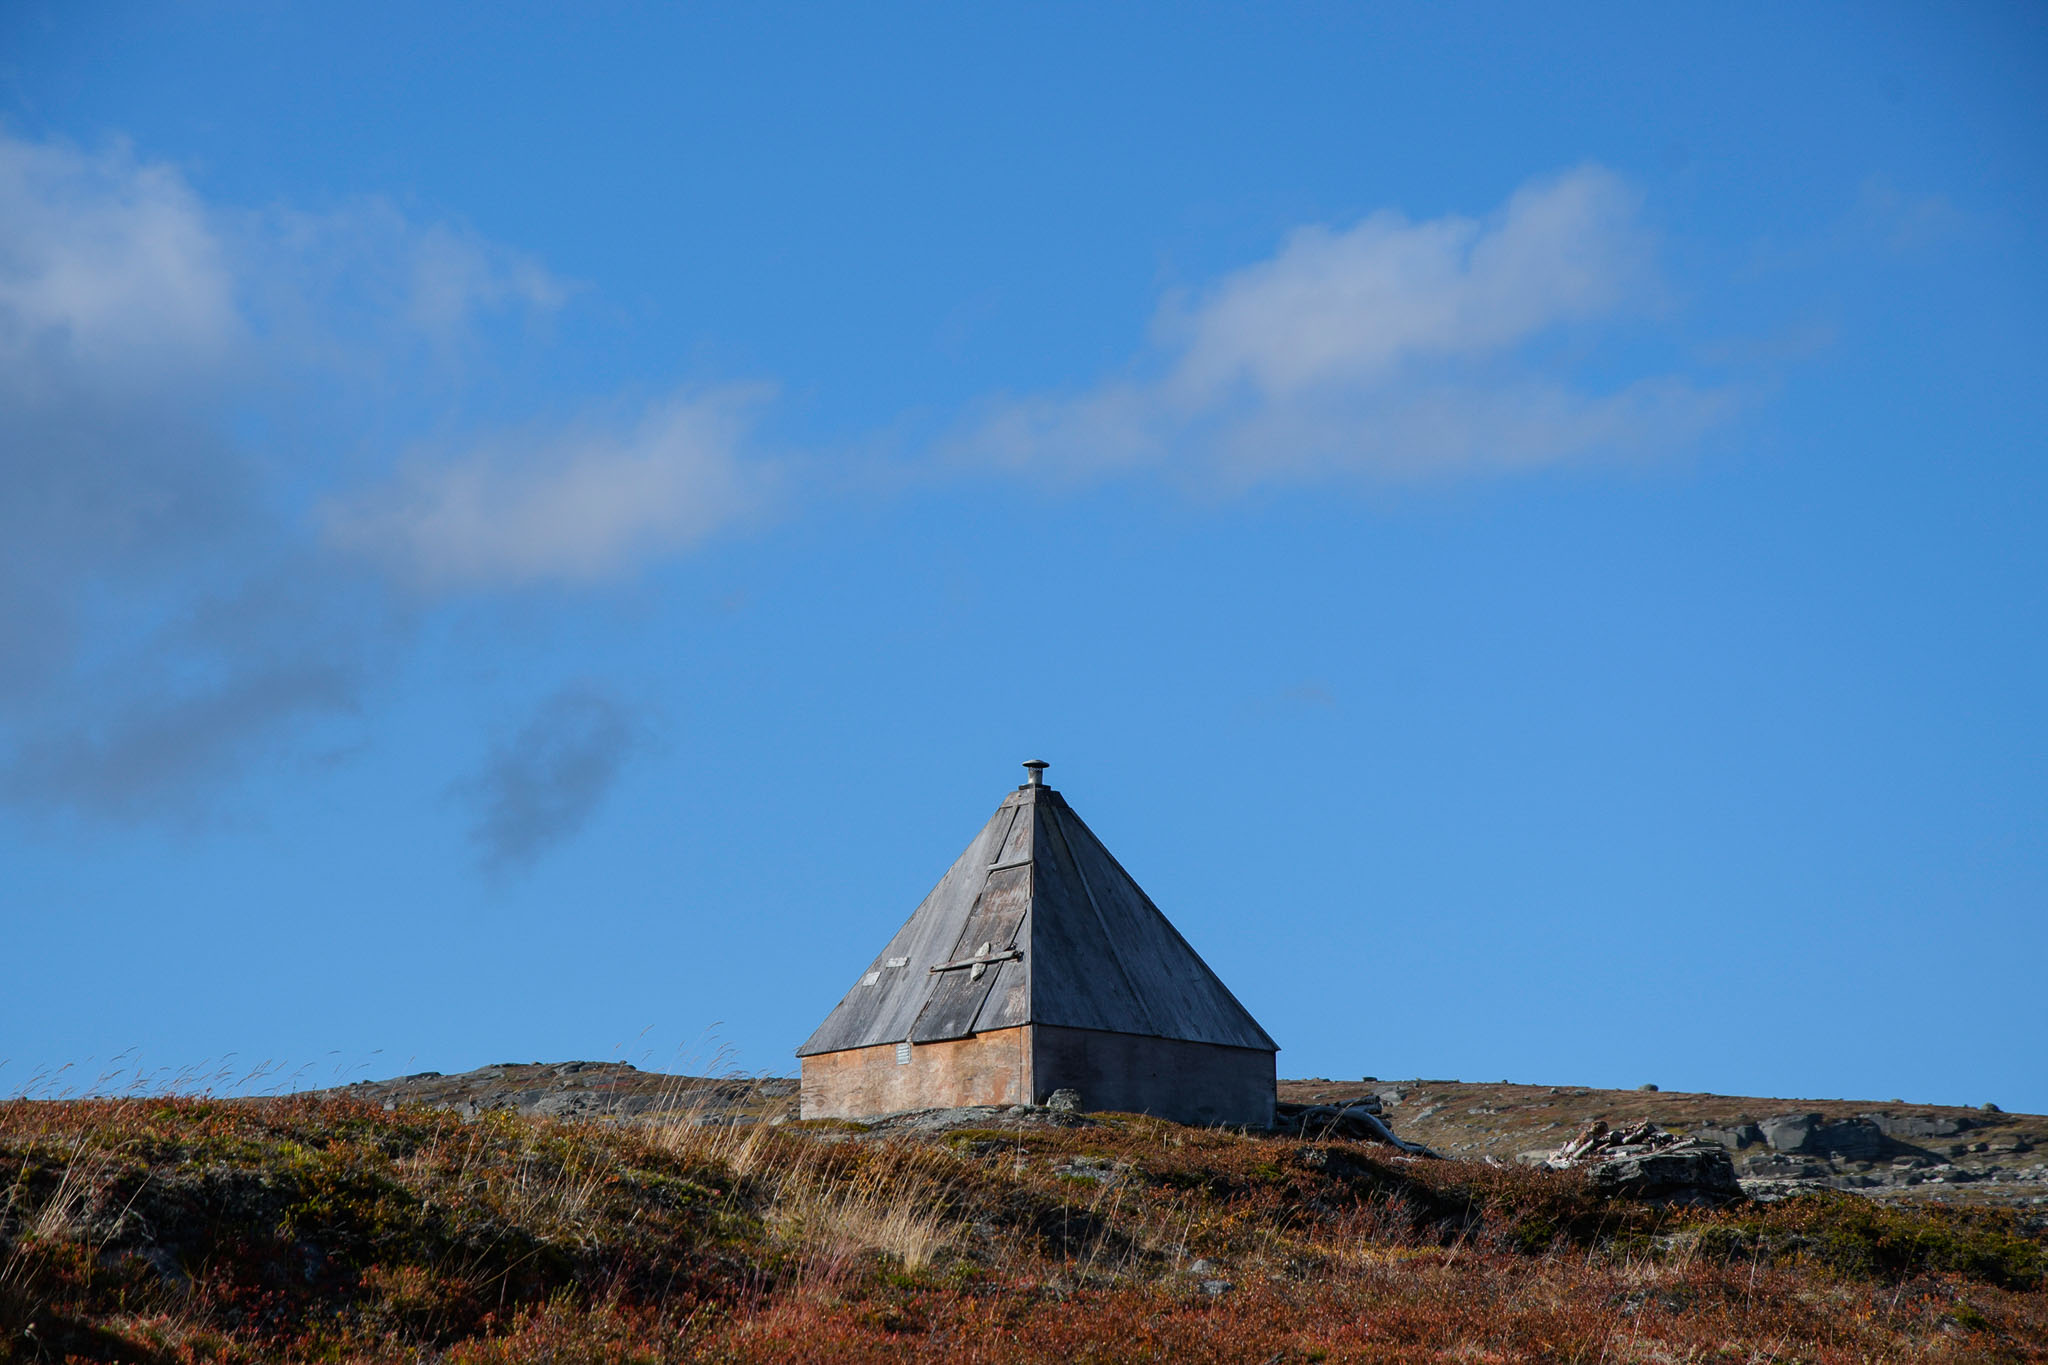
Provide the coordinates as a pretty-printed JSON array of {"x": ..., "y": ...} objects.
[
  {"x": 1890, "y": 1150},
  {"x": 585, "y": 1090}
]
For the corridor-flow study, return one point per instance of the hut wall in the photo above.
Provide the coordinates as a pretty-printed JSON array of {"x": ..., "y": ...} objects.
[
  {"x": 986, "y": 1068},
  {"x": 1130, "y": 1073}
]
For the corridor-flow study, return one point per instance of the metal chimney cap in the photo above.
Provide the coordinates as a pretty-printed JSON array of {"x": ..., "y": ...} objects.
[{"x": 1035, "y": 767}]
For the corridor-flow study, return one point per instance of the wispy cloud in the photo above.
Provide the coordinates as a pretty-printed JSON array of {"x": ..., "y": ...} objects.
[
  {"x": 151, "y": 756},
  {"x": 575, "y": 505},
  {"x": 1391, "y": 348},
  {"x": 107, "y": 263},
  {"x": 175, "y": 602},
  {"x": 540, "y": 787},
  {"x": 364, "y": 284},
  {"x": 147, "y": 647},
  {"x": 1905, "y": 222},
  {"x": 118, "y": 332}
]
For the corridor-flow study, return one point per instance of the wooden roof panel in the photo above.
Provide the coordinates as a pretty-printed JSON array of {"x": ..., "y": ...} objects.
[
  {"x": 1185, "y": 998},
  {"x": 1079, "y": 980},
  {"x": 1094, "y": 951},
  {"x": 884, "y": 1011},
  {"x": 958, "y": 992}
]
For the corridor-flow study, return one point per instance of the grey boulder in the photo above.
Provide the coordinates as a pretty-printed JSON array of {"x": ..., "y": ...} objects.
[
  {"x": 1914, "y": 1126},
  {"x": 1857, "y": 1139},
  {"x": 1789, "y": 1132},
  {"x": 1683, "y": 1175},
  {"x": 1851, "y": 1139}
]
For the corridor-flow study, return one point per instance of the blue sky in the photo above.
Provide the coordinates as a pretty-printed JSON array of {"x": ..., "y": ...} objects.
[{"x": 538, "y": 533}]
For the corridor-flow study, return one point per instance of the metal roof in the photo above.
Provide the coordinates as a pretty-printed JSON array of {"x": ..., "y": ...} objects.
[{"x": 1036, "y": 924}]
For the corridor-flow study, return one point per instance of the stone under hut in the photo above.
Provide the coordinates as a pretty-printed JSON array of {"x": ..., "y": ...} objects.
[{"x": 1037, "y": 965}]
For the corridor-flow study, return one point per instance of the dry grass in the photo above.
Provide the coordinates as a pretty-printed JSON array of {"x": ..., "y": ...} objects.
[
  {"x": 57, "y": 1217},
  {"x": 688, "y": 1126},
  {"x": 894, "y": 1207},
  {"x": 174, "y": 1230}
]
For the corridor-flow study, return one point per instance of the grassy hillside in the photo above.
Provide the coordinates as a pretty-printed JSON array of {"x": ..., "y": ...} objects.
[{"x": 335, "y": 1229}]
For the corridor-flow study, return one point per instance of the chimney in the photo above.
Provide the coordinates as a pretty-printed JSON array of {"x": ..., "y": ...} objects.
[{"x": 1035, "y": 768}]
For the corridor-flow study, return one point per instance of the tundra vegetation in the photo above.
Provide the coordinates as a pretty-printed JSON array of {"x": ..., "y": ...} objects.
[{"x": 328, "y": 1228}]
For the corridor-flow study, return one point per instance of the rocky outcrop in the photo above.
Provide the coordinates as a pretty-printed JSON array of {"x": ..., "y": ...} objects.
[
  {"x": 1871, "y": 1153},
  {"x": 1645, "y": 1162},
  {"x": 1919, "y": 1127},
  {"x": 615, "y": 1091},
  {"x": 1733, "y": 1138},
  {"x": 1679, "y": 1175},
  {"x": 1857, "y": 1139},
  {"x": 1890, "y": 1150}
]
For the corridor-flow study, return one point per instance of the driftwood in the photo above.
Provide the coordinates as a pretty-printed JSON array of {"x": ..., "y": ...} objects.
[
  {"x": 1597, "y": 1142},
  {"x": 1358, "y": 1121}
]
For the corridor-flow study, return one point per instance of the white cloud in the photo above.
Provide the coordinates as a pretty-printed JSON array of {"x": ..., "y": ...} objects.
[
  {"x": 114, "y": 267},
  {"x": 151, "y": 649},
  {"x": 1351, "y": 307},
  {"x": 1391, "y": 348},
  {"x": 144, "y": 652},
  {"x": 118, "y": 328},
  {"x": 109, "y": 264},
  {"x": 574, "y": 505}
]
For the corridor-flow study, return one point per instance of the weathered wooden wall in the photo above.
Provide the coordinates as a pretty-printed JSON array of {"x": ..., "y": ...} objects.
[
  {"x": 987, "y": 1068},
  {"x": 1188, "y": 1082}
]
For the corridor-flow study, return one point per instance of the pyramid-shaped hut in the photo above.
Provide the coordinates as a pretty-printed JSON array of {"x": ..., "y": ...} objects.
[{"x": 1035, "y": 965}]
